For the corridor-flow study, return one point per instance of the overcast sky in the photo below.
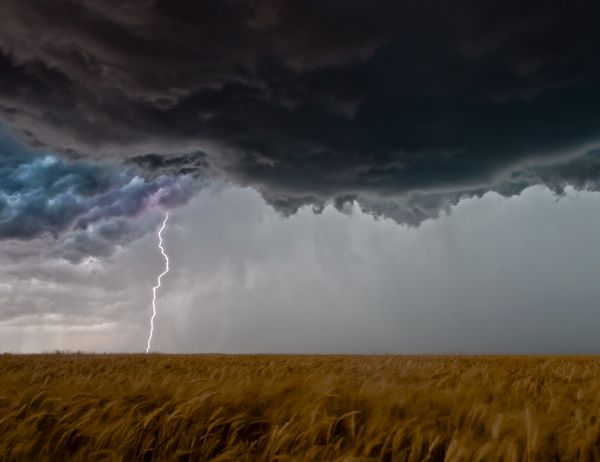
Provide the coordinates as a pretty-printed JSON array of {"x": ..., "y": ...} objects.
[
  {"x": 341, "y": 176},
  {"x": 502, "y": 275}
]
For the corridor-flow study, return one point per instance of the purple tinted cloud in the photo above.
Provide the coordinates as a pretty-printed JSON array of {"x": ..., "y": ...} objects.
[{"x": 81, "y": 208}]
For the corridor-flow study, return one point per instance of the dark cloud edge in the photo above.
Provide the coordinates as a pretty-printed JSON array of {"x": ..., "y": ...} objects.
[{"x": 280, "y": 98}]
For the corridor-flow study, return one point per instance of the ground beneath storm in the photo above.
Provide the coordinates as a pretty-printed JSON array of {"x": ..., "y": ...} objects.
[{"x": 279, "y": 408}]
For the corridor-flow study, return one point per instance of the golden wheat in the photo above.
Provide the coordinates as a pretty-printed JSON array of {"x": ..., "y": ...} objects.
[{"x": 280, "y": 408}]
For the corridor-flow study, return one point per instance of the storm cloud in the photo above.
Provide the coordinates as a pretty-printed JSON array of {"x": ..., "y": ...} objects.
[
  {"x": 75, "y": 209},
  {"x": 405, "y": 107}
]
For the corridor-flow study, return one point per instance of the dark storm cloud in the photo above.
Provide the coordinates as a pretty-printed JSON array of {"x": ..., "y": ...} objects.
[
  {"x": 188, "y": 164},
  {"x": 81, "y": 208},
  {"x": 403, "y": 106}
]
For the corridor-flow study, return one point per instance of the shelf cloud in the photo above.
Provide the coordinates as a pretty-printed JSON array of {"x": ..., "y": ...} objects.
[{"x": 404, "y": 107}]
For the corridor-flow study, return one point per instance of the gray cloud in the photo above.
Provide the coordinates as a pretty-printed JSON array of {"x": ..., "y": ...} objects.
[
  {"x": 497, "y": 275},
  {"x": 405, "y": 107}
]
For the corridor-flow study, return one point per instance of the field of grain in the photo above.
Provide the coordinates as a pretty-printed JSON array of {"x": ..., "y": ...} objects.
[{"x": 393, "y": 408}]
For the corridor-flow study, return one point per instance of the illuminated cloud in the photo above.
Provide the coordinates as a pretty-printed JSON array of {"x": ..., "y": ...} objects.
[{"x": 75, "y": 209}]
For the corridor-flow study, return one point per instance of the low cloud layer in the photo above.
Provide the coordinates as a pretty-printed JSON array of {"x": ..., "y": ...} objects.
[
  {"x": 405, "y": 107},
  {"x": 73, "y": 209}
]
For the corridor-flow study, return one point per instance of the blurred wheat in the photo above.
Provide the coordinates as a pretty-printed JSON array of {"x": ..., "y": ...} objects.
[{"x": 278, "y": 408}]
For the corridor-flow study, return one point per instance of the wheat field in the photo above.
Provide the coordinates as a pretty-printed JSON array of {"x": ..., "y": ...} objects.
[{"x": 280, "y": 408}]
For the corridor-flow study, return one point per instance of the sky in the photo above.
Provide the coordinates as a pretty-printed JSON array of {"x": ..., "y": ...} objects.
[{"x": 340, "y": 176}]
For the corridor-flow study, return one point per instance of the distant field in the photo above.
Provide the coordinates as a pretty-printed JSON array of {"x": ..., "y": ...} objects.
[{"x": 392, "y": 408}]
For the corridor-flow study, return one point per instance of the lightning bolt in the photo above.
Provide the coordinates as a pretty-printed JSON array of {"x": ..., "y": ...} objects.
[{"x": 158, "y": 279}]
